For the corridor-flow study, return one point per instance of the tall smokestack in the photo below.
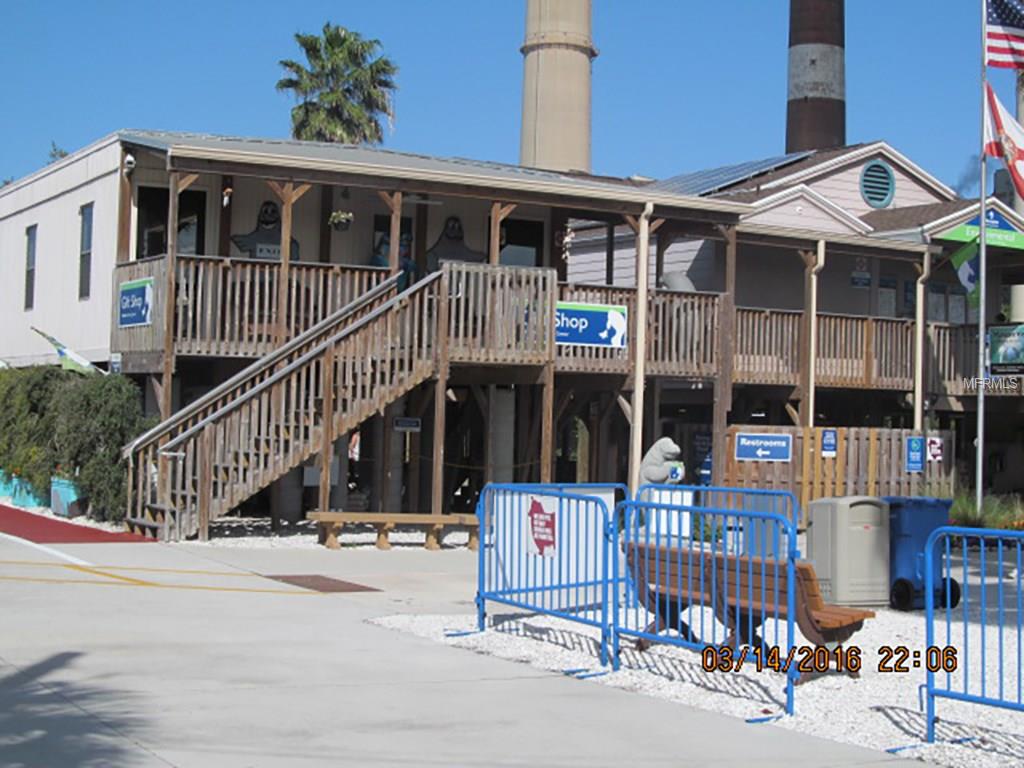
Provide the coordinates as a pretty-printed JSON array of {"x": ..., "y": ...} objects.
[
  {"x": 556, "y": 85},
  {"x": 816, "y": 111}
]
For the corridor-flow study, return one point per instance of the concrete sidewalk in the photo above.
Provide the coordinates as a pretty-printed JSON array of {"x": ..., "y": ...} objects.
[{"x": 200, "y": 661}]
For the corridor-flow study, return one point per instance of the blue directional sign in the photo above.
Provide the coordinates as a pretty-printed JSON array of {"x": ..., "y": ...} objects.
[
  {"x": 829, "y": 443},
  {"x": 763, "y": 446},
  {"x": 590, "y": 325},
  {"x": 135, "y": 303},
  {"x": 914, "y": 455}
]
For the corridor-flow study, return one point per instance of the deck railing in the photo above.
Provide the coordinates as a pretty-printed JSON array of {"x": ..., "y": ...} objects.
[
  {"x": 683, "y": 333},
  {"x": 227, "y": 307},
  {"x": 767, "y": 346},
  {"x": 572, "y": 358}
]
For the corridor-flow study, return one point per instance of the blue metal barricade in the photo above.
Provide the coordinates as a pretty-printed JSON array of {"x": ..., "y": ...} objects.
[
  {"x": 691, "y": 579},
  {"x": 738, "y": 499},
  {"x": 973, "y": 652},
  {"x": 545, "y": 550}
]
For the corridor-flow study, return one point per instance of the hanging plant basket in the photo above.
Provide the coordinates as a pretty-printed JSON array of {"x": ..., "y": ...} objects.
[{"x": 340, "y": 221}]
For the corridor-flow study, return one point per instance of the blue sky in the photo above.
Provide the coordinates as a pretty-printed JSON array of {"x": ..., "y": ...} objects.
[{"x": 679, "y": 84}]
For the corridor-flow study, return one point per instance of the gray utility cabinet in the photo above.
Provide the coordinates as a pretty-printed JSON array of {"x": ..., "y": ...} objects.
[{"x": 848, "y": 543}]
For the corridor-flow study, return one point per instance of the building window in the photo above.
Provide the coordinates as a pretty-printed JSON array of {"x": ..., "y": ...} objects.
[
  {"x": 85, "y": 252},
  {"x": 30, "y": 266},
  {"x": 151, "y": 234}
]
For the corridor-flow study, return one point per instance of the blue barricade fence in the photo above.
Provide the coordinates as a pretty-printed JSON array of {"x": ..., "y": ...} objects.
[
  {"x": 547, "y": 551},
  {"x": 973, "y": 650},
  {"x": 691, "y": 580}
]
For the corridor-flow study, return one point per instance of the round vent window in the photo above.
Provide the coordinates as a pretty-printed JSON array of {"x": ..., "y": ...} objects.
[{"x": 877, "y": 184}]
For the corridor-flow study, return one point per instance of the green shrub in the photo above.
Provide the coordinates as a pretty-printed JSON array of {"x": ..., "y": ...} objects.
[
  {"x": 27, "y": 423},
  {"x": 95, "y": 417},
  {"x": 1001, "y": 512}
]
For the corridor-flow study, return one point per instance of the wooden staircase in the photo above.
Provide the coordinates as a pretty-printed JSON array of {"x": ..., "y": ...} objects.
[{"x": 211, "y": 456}]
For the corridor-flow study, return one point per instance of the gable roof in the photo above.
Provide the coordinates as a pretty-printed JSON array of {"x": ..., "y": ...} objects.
[
  {"x": 802, "y": 192},
  {"x": 914, "y": 216}
]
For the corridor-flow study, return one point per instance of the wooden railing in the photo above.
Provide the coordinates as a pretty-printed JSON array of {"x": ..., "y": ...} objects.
[
  {"x": 229, "y": 307},
  {"x": 683, "y": 333},
  {"x": 249, "y": 442},
  {"x": 951, "y": 356},
  {"x": 767, "y": 346},
  {"x": 141, "y": 338},
  {"x": 501, "y": 314},
  {"x": 580, "y": 359},
  {"x": 142, "y": 452},
  {"x": 891, "y": 345}
]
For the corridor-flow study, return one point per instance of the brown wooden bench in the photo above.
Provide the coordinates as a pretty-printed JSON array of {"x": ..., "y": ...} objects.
[
  {"x": 330, "y": 524},
  {"x": 668, "y": 580}
]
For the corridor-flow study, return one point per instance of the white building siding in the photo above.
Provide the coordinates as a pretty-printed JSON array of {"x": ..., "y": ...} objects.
[
  {"x": 801, "y": 213},
  {"x": 51, "y": 200},
  {"x": 843, "y": 189}
]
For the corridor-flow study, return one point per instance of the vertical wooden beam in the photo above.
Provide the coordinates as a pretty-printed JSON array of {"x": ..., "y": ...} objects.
[
  {"x": 440, "y": 400},
  {"x": 724, "y": 353},
  {"x": 920, "y": 321},
  {"x": 124, "y": 213},
  {"x": 284, "y": 275},
  {"x": 609, "y": 255},
  {"x": 499, "y": 213},
  {"x": 327, "y": 427},
  {"x": 205, "y": 490},
  {"x": 170, "y": 300},
  {"x": 395, "y": 234},
  {"x": 224, "y": 225},
  {"x": 547, "y": 430},
  {"x": 326, "y": 208},
  {"x": 640, "y": 344}
]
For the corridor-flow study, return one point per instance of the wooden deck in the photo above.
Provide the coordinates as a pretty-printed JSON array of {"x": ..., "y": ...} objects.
[{"x": 500, "y": 316}]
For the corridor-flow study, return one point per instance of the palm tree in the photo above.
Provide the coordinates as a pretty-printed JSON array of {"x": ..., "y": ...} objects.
[{"x": 345, "y": 90}]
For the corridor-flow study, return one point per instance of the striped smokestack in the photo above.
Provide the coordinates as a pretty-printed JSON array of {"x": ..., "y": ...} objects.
[{"x": 816, "y": 110}]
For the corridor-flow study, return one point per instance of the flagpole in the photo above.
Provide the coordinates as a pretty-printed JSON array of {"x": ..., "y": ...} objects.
[{"x": 980, "y": 457}]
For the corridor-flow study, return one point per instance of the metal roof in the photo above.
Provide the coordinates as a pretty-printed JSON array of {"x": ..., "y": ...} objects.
[
  {"x": 713, "y": 179},
  {"x": 405, "y": 165}
]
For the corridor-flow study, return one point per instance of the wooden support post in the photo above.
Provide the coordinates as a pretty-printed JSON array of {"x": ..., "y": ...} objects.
[
  {"x": 170, "y": 297},
  {"x": 124, "y": 213},
  {"x": 724, "y": 354},
  {"x": 327, "y": 427},
  {"x": 499, "y": 213},
  {"x": 920, "y": 319},
  {"x": 813, "y": 263},
  {"x": 205, "y": 490},
  {"x": 288, "y": 194},
  {"x": 609, "y": 255},
  {"x": 440, "y": 400},
  {"x": 393, "y": 201},
  {"x": 639, "y": 341},
  {"x": 547, "y": 431},
  {"x": 420, "y": 239},
  {"x": 326, "y": 208}
]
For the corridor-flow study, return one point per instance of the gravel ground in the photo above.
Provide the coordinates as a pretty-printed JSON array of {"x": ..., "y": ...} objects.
[{"x": 878, "y": 710}]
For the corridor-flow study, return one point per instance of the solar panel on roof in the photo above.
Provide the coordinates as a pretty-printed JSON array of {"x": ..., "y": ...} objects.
[{"x": 713, "y": 179}]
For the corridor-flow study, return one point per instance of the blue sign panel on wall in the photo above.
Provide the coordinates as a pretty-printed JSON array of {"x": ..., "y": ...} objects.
[
  {"x": 590, "y": 325},
  {"x": 764, "y": 446},
  {"x": 135, "y": 303},
  {"x": 829, "y": 443},
  {"x": 914, "y": 459}
]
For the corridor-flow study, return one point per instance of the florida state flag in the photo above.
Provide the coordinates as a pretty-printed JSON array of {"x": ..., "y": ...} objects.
[{"x": 1004, "y": 139}]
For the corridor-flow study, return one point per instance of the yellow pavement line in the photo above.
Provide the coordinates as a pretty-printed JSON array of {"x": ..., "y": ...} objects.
[
  {"x": 139, "y": 568},
  {"x": 98, "y": 572},
  {"x": 154, "y": 585}
]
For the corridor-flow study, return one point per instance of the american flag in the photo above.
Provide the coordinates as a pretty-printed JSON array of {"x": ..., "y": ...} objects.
[{"x": 1004, "y": 34}]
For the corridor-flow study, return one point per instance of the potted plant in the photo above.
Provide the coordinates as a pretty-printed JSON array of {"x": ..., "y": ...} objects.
[{"x": 340, "y": 220}]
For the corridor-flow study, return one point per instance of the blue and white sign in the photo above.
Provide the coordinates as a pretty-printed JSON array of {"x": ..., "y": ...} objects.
[
  {"x": 590, "y": 325},
  {"x": 829, "y": 443},
  {"x": 914, "y": 455},
  {"x": 758, "y": 446},
  {"x": 135, "y": 303}
]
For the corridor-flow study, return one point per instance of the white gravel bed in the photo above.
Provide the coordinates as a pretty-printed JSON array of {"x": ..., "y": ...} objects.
[
  {"x": 878, "y": 710},
  {"x": 256, "y": 533},
  {"x": 86, "y": 522}
]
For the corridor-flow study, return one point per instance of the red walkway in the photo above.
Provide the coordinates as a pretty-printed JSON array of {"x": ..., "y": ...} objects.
[{"x": 46, "y": 530}]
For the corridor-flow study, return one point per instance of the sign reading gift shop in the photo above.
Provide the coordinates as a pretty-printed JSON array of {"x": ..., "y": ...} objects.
[
  {"x": 135, "y": 303},
  {"x": 998, "y": 231},
  {"x": 758, "y": 446},
  {"x": 590, "y": 325}
]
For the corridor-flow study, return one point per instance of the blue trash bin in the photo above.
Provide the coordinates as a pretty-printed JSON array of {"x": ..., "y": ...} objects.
[{"x": 911, "y": 521}]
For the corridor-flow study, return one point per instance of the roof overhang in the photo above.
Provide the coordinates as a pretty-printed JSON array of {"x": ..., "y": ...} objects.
[
  {"x": 478, "y": 184},
  {"x": 855, "y": 245}
]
